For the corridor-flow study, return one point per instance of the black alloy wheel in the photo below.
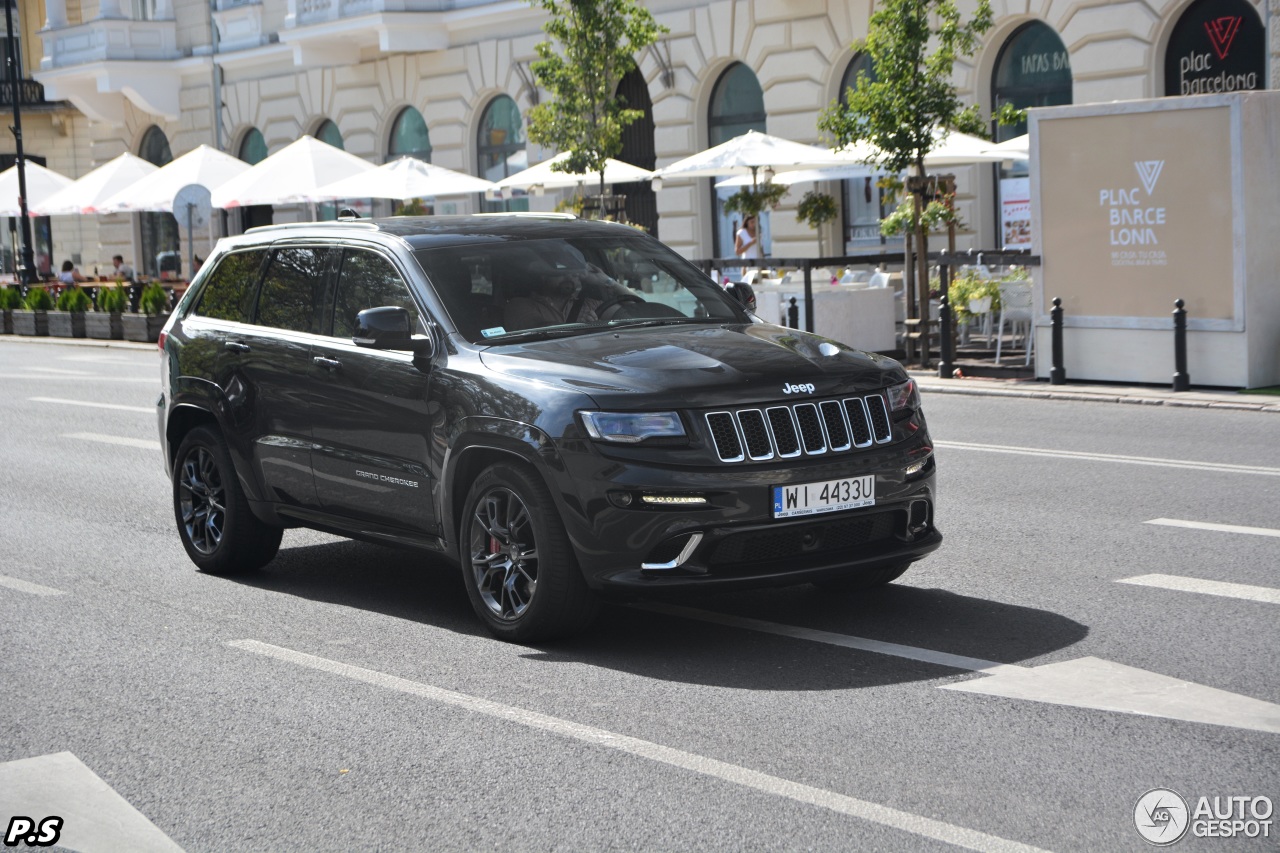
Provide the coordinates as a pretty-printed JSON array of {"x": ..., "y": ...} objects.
[
  {"x": 520, "y": 571},
  {"x": 217, "y": 528}
]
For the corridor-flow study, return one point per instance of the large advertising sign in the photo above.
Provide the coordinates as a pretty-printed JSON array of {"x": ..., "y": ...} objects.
[
  {"x": 1136, "y": 212},
  {"x": 1216, "y": 46},
  {"x": 1015, "y": 213}
]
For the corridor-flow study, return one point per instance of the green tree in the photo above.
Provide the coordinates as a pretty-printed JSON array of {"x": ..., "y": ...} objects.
[
  {"x": 596, "y": 42},
  {"x": 913, "y": 45}
]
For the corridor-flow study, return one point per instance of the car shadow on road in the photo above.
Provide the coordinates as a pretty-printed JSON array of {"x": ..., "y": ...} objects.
[{"x": 679, "y": 648}]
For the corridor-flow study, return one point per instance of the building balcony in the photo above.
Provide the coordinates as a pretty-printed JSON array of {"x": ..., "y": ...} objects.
[
  {"x": 101, "y": 64},
  {"x": 27, "y": 93}
]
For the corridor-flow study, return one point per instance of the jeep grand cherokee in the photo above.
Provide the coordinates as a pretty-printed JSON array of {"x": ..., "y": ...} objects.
[{"x": 563, "y": 408}]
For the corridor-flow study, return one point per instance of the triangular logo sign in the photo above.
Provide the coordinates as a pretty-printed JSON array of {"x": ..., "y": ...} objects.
[
  {"x": 1149, "y": 172},
  {"x": 1222, "y": 31}
]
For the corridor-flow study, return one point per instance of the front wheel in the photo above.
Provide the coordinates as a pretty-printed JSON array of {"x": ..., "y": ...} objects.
[
  {"x": 222, "y": 536},
  {"x": 519, "y": 568}
]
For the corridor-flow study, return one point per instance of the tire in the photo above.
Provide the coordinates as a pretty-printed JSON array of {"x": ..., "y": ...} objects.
[
  {"x": 518, "y": 567},
  {"x": 869, "y": 579},
  {"x": 222, "y": 536}
]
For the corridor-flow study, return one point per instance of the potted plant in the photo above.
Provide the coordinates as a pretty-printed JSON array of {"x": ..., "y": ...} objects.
[
  {"x": 817, "y": 209},
  {"x": 34, "y": 320},
  {"x": 146, "y": 326},
  {"x": 105, "y": 323},
  {"x": 10, "y": 298},
  {"x": 68, "y": 320}
]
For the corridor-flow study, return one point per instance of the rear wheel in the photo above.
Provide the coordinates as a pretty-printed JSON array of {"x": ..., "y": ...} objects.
[
  {"x": 868, "y": 579},
  {"x": 222, "y": 536},
  {"x": 519, "y": 568}
]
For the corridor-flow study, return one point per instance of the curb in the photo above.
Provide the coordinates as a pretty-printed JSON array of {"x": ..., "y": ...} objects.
[{"x": 1100, "y": 397}]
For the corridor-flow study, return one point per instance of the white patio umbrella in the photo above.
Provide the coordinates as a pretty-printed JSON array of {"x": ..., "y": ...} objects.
[
  {"x": 543, "y": 175},
  {"x": 41, "y": 183},
  {"x": 206, "y": 166},
  {"x": 293, "y": 174},
  {"x": 1018, "y": 148},
  {"x": 752, "y": 153},
  {"x": 88, "y": 193},
  {"x": 406, "y": 178}
]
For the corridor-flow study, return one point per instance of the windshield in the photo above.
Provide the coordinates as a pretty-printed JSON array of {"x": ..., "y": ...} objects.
[{"x": 498, "y": 292}]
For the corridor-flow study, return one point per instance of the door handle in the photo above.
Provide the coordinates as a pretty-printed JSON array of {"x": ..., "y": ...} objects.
[
  {"x": 327, "y": 363},
  {"x": 236, "y": 346}
]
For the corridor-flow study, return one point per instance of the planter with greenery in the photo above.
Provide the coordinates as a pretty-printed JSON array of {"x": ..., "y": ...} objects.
[
  {"x": 105, "y": 323},
  {"x": 10, "y": 298},
  {"x": 34, "y": 320},
  {"x": 817, "y": 209},
  {"x": 146, "y": 326},
  {"x": 68, "y": 320}
]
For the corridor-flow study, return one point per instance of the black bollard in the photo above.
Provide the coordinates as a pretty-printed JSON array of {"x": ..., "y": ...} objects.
[
  {"x": 945, "y": 354},
  {"x": 1057, "y": 373},
  {"x": 793, "y": 314},
  {"x": 1181, "y": 380}
]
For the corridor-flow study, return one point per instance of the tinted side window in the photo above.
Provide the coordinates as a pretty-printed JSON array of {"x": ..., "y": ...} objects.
[
  {"x": 293, "y": 289},
  {"x": 368, "y": 280},
  {"x": 228, "y": 294}
]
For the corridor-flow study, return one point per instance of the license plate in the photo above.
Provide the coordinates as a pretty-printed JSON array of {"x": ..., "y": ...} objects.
[{"x": 827, "y": 496}]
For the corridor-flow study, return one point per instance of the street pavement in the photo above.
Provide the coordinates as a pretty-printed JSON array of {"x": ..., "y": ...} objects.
[{"x": 1100, "y": 622}]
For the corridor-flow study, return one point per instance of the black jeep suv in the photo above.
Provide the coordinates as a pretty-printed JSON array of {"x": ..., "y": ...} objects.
[{"x": 563, "y": 408}]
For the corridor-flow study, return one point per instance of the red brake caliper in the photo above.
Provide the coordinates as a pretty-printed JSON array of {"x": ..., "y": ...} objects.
[{"x": 493, "y": 544}]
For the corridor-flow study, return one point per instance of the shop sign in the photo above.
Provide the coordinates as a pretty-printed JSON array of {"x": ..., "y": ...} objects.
[{"x": 1217, "y": 46}]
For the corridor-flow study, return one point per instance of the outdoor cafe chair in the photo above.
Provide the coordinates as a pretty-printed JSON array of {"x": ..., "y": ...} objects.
[{"x": 1016, "y": 310}]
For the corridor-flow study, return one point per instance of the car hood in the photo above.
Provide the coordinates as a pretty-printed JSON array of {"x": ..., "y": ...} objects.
[{"x": 696, "y": 365}]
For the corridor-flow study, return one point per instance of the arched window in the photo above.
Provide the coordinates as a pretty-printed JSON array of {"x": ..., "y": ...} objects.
[
  {"x": 328, "y": 132},
  {"x": 737, "y": 105},
  {"x": 638, "y": 150},
  {"x": 1216, "y": 46},
  {"x": 253, "y": 150},
  {"x": 409, "y": 137},
  {"x": 1033, "y": 69},
  {"x": 159, "y": 231},
  {"x": 500, "y": 148},
  {"x": 863, "y": 199}
]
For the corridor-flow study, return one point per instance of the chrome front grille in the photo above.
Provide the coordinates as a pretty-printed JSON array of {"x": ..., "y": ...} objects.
[{"x": 809, "y": 428}]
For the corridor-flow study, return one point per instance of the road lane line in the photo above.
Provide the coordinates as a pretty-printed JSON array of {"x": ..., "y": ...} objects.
[
  {"x": 28, "y": 586},
  {"x": 113, "y": 406},
  {"x": 845, "y": 641},
  {"x": 736, "y": 774},
  {"x": 1222, "y": 528},
  {"x": 143, "y": 443},
  {"x": 87, "y": 377},
  {"x": 61, "y": 371},
  {"x": 1204, "y": 587},
  {"x": 1222, "y": 467}
]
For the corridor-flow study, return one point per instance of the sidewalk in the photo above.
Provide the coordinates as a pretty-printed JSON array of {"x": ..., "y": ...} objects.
[{"x": 1142, "y": 395}]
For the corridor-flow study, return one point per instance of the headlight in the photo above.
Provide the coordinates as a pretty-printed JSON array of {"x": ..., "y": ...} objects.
[
  {"x": 632, "y": 427},
  {"x": 904, "y": 396}
]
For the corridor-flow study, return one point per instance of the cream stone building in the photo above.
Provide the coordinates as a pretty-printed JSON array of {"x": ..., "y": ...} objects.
[{"x": 449, "y": 80}]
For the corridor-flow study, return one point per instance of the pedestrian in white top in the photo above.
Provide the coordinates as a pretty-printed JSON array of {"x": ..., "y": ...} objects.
[{"x": 746, "y": 243}]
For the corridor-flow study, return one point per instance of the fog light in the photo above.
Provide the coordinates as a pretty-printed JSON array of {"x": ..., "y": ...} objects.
[
  {"x": 675, "y": 500},
  {"x": 917, "y": 466},
  {"x": 620, "y": 499}
]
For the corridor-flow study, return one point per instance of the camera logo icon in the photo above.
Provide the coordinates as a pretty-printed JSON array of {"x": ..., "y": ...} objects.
[{"x": 1161, "y": 817}]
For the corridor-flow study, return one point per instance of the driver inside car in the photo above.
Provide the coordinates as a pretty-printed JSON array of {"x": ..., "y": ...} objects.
[{"x": 561, "y": 292}]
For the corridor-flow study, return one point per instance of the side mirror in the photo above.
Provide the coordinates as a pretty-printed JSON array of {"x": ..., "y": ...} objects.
[
  {"x": 390, "y": 328},
  {"x": 744, "y": 293}
]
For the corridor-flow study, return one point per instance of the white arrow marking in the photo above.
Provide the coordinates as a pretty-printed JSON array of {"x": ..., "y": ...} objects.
[
  {"x": 1220, "y": 528},
  {"x": 1106, "y": 686},
  {"x": 1204, "y": 587},
  {"x": 1084, "y": 682},
  {"x": 95, "y": 819}
]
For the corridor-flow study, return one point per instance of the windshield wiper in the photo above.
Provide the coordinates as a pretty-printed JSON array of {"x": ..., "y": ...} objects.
[
  {"x": 537, "y": 334},
  {"x": 666, "y": 321}
]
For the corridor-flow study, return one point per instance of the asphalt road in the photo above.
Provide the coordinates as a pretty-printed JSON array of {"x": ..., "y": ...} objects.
[{"x": 346, "y": 697}]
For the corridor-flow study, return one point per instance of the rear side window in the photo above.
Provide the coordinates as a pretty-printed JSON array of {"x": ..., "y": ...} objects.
[
  {"x": 368, "y": 280},
  {"x": 228, "y": 294},
  {"x": 293, "y": 289}
]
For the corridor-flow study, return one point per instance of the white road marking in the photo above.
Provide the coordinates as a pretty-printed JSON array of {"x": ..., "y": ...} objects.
[
  {"x": 1221, "y": 528},
  {"x": 738, "y": 775},
  {"x": 95, "y": 819},
  {"x": 1084, "y": 682},
  {"x": 1221, "y": 467},
  {"x": 143, "y": 409},
  {"x": 143, "y": 443},
  {"x": 83, "y": 377},
  {"x": 1222, "y": 588},
  {"x": 61, "y": 371},
  {"x": 28, "y": 586}
]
